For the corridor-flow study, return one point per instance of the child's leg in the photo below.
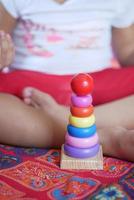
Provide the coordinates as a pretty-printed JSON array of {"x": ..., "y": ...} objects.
[
  {"x": 116, "y": 113},
  {"x": 117, "y": 142},
  {"x": 114, "y": 121},
  {"x": 28, "y": 126},
  {"x": 45, "y": 123}
]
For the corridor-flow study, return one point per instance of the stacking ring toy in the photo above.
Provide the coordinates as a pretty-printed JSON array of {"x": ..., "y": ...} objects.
[
  {"x": 81, "y": 101},
  {"x": 82, "y": 122},
  {"x": 82, "y": 84},
  {"x": 82, "y": 142},
  {"x": 82, "y": 112},
  {"x": 81, "y": 132},
  {"x": 81, "y": 153}
]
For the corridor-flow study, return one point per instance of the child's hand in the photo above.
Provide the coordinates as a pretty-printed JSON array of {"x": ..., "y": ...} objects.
[{"x": 6, "y": 50}]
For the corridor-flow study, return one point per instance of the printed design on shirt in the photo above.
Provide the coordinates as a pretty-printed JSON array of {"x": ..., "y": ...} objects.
[
  {"x": 54, "y": 40},
  {"x": 50, "y": 37},
  {"x": 86, "y": 43},
  {"x": 37, "y": 50},
  {"x": 30, "y": 39}
]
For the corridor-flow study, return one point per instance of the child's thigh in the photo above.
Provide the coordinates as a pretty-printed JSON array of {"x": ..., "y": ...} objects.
[{"x": 21, "y": 124}]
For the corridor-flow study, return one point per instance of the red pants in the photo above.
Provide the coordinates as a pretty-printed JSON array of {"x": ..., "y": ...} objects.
[{"x": 110, "y": 84}]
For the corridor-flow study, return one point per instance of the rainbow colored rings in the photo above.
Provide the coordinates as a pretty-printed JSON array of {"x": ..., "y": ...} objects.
[
  {"x": 81, "y": 112},
  {"x": 82, "y": 122},
  {"x": 81, "y": 101},
  {"x": 81, "y": 132},
  {"x": 81, "y": 142},
  {"x": 81, "y": 153}
]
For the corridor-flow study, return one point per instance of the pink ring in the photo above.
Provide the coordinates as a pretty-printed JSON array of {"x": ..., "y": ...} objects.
[
  {"x": 81, "y": 101},
  {"x": 82, "y": 142}
]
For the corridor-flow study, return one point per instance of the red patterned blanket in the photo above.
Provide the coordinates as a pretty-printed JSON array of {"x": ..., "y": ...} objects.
[{"x": 34, "y": 174}]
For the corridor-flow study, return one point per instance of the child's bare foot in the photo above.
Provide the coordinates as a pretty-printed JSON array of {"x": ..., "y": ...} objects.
[
  {"x": 116, "y": 141},
  {"x": 38, "y": 99},
  {"x": 58, "y": 114}
]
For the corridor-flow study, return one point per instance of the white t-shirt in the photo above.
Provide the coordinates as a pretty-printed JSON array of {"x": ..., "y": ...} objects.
[{"x": 66, "y": 38}]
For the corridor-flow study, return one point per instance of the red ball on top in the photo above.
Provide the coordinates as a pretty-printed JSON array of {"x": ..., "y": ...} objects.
[{"x": 82, "y": 84}]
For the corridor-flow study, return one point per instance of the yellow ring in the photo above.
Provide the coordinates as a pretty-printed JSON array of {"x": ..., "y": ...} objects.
[{"x": 82, "y": 122}]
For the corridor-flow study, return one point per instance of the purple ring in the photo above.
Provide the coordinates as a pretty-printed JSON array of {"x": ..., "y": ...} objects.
[
  {"x": 81, "y": 153},
  {"x": 81, "y": 101}
]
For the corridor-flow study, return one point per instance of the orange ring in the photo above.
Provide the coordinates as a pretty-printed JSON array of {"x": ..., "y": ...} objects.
[{"x": 81, "y": 112}]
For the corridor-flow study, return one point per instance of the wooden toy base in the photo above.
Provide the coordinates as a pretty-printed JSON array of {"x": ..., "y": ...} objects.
[{"x": 93, "y": 163}]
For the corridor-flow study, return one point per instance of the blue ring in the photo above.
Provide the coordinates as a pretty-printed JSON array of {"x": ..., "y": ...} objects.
[
  {"x": 81, "y": 153},
  {"x": 81, "y": 132}
]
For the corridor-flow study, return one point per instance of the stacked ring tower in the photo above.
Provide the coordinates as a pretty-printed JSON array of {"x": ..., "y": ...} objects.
[{"x": 81, "y": 139}]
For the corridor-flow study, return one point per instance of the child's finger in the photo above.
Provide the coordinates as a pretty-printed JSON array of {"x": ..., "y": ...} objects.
[
  {"x": 11, "y": 51},
  {"x": 4, "y": 49},
  {"x": 1, "y": 59},
  {"x": 7, "y": 50}
]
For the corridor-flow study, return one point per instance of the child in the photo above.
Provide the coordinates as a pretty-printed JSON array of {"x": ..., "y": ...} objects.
[{"x": 55, "y": 39}]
